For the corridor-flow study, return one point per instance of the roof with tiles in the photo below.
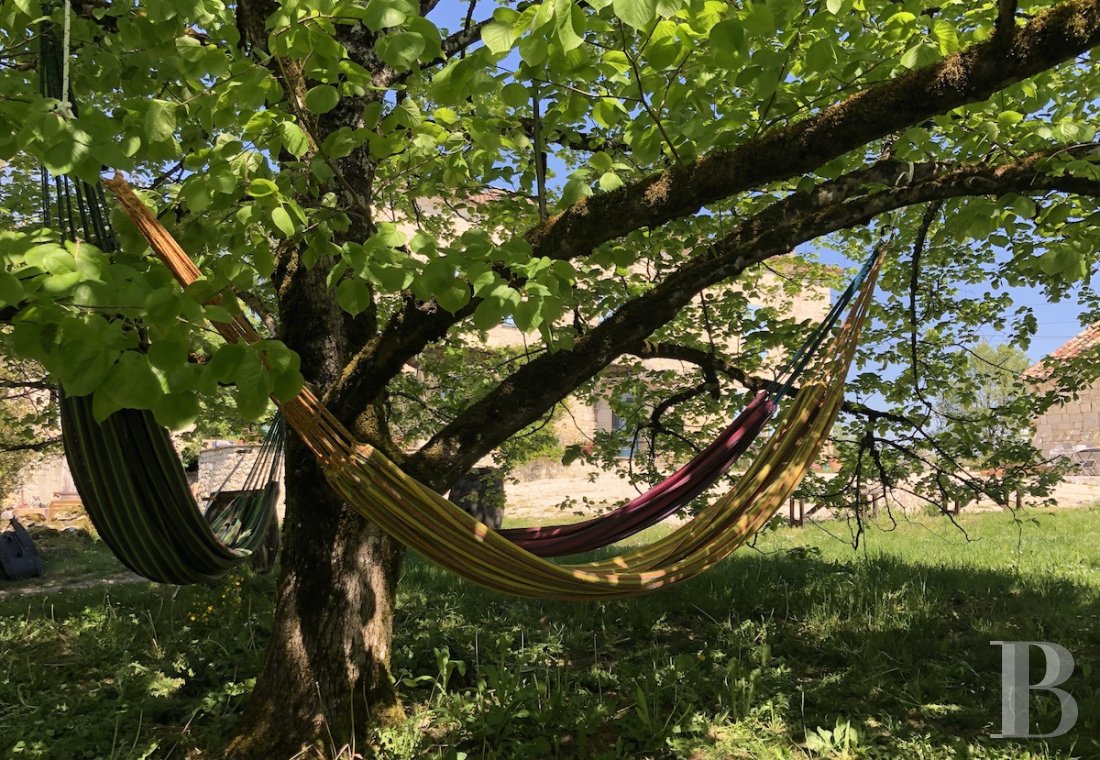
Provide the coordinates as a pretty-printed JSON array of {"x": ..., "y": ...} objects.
[{"x": 1087, "y": 339}]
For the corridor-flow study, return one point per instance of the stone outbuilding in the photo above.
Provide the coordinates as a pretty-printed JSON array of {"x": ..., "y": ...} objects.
[{"x": 1071, "y": 429}]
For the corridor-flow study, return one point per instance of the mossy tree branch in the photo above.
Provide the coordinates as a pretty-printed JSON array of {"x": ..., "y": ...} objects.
[{"x": 847, "y": 202}]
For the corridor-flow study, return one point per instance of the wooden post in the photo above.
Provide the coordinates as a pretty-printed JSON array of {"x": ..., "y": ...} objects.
[{"x": 797, "y": 509}]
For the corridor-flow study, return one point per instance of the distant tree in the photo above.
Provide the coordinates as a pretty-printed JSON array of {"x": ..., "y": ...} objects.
[
  {"x": 27, "y": 419},
  {"x": 988, "y": 398}
]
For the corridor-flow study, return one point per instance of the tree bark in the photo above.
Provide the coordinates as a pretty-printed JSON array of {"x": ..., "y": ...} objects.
[
  {"x": 326, "y": 676},
  {"x": 325, "y": 680}
]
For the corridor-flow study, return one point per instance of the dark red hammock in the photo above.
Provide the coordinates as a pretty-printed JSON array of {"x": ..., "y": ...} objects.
[
  {"x": 657, "y": 503},
  {"x": 666, "y": 498}
]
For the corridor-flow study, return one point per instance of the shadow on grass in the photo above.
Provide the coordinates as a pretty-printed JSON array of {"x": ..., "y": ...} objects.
[
  {"x": 878, "y": 658},
  {"x": 748, "y": 660}
]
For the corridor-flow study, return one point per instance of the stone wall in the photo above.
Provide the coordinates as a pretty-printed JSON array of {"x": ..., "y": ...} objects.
[
  {"x": 44, "y": 482},
  {"x": 226, "y": 468},
  {"x": 1072, "y": 425}
]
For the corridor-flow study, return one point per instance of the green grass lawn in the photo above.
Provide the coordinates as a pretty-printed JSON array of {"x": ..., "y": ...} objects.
[{"x": 799, "y": 648}]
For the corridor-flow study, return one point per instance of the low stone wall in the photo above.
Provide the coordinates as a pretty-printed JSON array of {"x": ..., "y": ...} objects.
[{"x": 226, "y": 468}]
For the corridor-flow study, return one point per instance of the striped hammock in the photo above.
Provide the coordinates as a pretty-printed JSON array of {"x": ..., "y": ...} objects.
[{"x": 445, "y": 534}]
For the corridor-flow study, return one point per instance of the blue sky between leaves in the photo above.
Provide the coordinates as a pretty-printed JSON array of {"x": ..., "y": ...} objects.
[{"x": 1057, "y": 322}]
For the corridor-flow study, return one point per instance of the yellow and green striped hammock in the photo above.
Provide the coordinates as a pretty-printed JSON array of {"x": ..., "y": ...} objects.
[{"x": 445, "y": 534}]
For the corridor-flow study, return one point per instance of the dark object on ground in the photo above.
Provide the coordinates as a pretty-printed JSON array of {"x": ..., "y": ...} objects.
[
  {"x": 18, "y": 557},
  {"x": 480, "y": 492}
]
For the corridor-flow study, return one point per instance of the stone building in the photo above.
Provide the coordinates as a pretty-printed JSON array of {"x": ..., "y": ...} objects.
[
  {"x": 584, "y": 420},
  {"x": 1073, "y": 428}
]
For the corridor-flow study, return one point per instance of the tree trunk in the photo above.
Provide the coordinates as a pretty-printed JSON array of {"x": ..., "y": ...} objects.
[{"x": 326, "y": 675}]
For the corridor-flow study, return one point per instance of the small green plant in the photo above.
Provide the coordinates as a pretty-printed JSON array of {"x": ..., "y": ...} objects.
[{"x": 841, "y": 742}]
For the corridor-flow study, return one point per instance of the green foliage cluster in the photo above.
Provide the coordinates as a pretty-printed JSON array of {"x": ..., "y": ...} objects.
[
  {"x": 640, "y": 85},
  {"x": 26, "y": 414},
  {"x": 720, "y": 670}
]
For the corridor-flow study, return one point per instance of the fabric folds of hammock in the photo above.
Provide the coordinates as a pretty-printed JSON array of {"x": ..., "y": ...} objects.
[
  {"x": 428, "y": 523},
  {"x": 700, "y": 473},
  {"x": 136, "y": 493},
  {"x": 658, "y": 503}
]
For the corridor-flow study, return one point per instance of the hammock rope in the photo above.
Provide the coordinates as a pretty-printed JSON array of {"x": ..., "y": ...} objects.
[{"x": 424, "y": 520}]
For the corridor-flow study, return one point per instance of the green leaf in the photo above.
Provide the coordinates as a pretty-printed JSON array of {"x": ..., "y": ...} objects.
[
  {"x": 834, "y": 6},
  {"x": 169, "y": 352},
  {"x": 454, "y": 296},
  {"x": 946, "y": 36},
  {"x": 401, "y": 49},
  {"x": 59, "y": 285},
  {"x": 224, "y": 363},
  {"x": 919, "y": 55},
  {"x": 727, "y": 39},
  {"x": 294, "y": 139},
  {"x": 260, "y": 187},
  {"x": 176, "y": 410},
  {"x": 104, "y": 405},
  {"x": 636, "y": 13},
  {"x": 29, "y": 8},
  {"x": 382, "y": 14},
  {"x": 515, "y": 95},
  {"x": 288, "y": 385},
  {"x": 86, "y": 363},
  {"x": 498, "y": 37},
  {"x": 160, "y": 121},
  {"x": 281, "y": 217},
  {"x": 322, "y": 98},
  {"x": 353, "y": 295},
  {"x": 253, "y": 387},
  {"x": 132, "y": 384},
  {"x": 11, "y": 290},
  {"x": 564, "y": 25},
  {"x": 610, "y": 181},
  {"x": 1025, "y": 207},
  {"x": 488, "y": 314}
]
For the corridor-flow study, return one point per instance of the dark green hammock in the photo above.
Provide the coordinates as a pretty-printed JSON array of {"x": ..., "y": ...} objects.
[
  {"x": 130, "y": 479},
  {"x": 144, "y": 509}
]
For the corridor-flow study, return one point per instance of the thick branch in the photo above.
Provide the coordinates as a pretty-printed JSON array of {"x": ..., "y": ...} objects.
[
  {"x": 678, "y": 352},
  {"x": 42, "y": 385},
  {"x": 36, "y": 446},
  {"x": 519, "y": 399},
  {"x": 970, "y": 76}
]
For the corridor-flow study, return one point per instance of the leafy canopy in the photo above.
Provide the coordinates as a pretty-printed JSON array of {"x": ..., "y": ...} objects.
[{"x": 248, "y": 167}]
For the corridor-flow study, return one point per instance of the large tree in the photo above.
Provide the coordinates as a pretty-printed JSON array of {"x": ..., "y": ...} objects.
[{"x": 618, "y": 159}]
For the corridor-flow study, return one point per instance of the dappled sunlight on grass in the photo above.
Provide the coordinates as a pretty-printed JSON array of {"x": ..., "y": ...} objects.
[{"x": 799, "y": 648}]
